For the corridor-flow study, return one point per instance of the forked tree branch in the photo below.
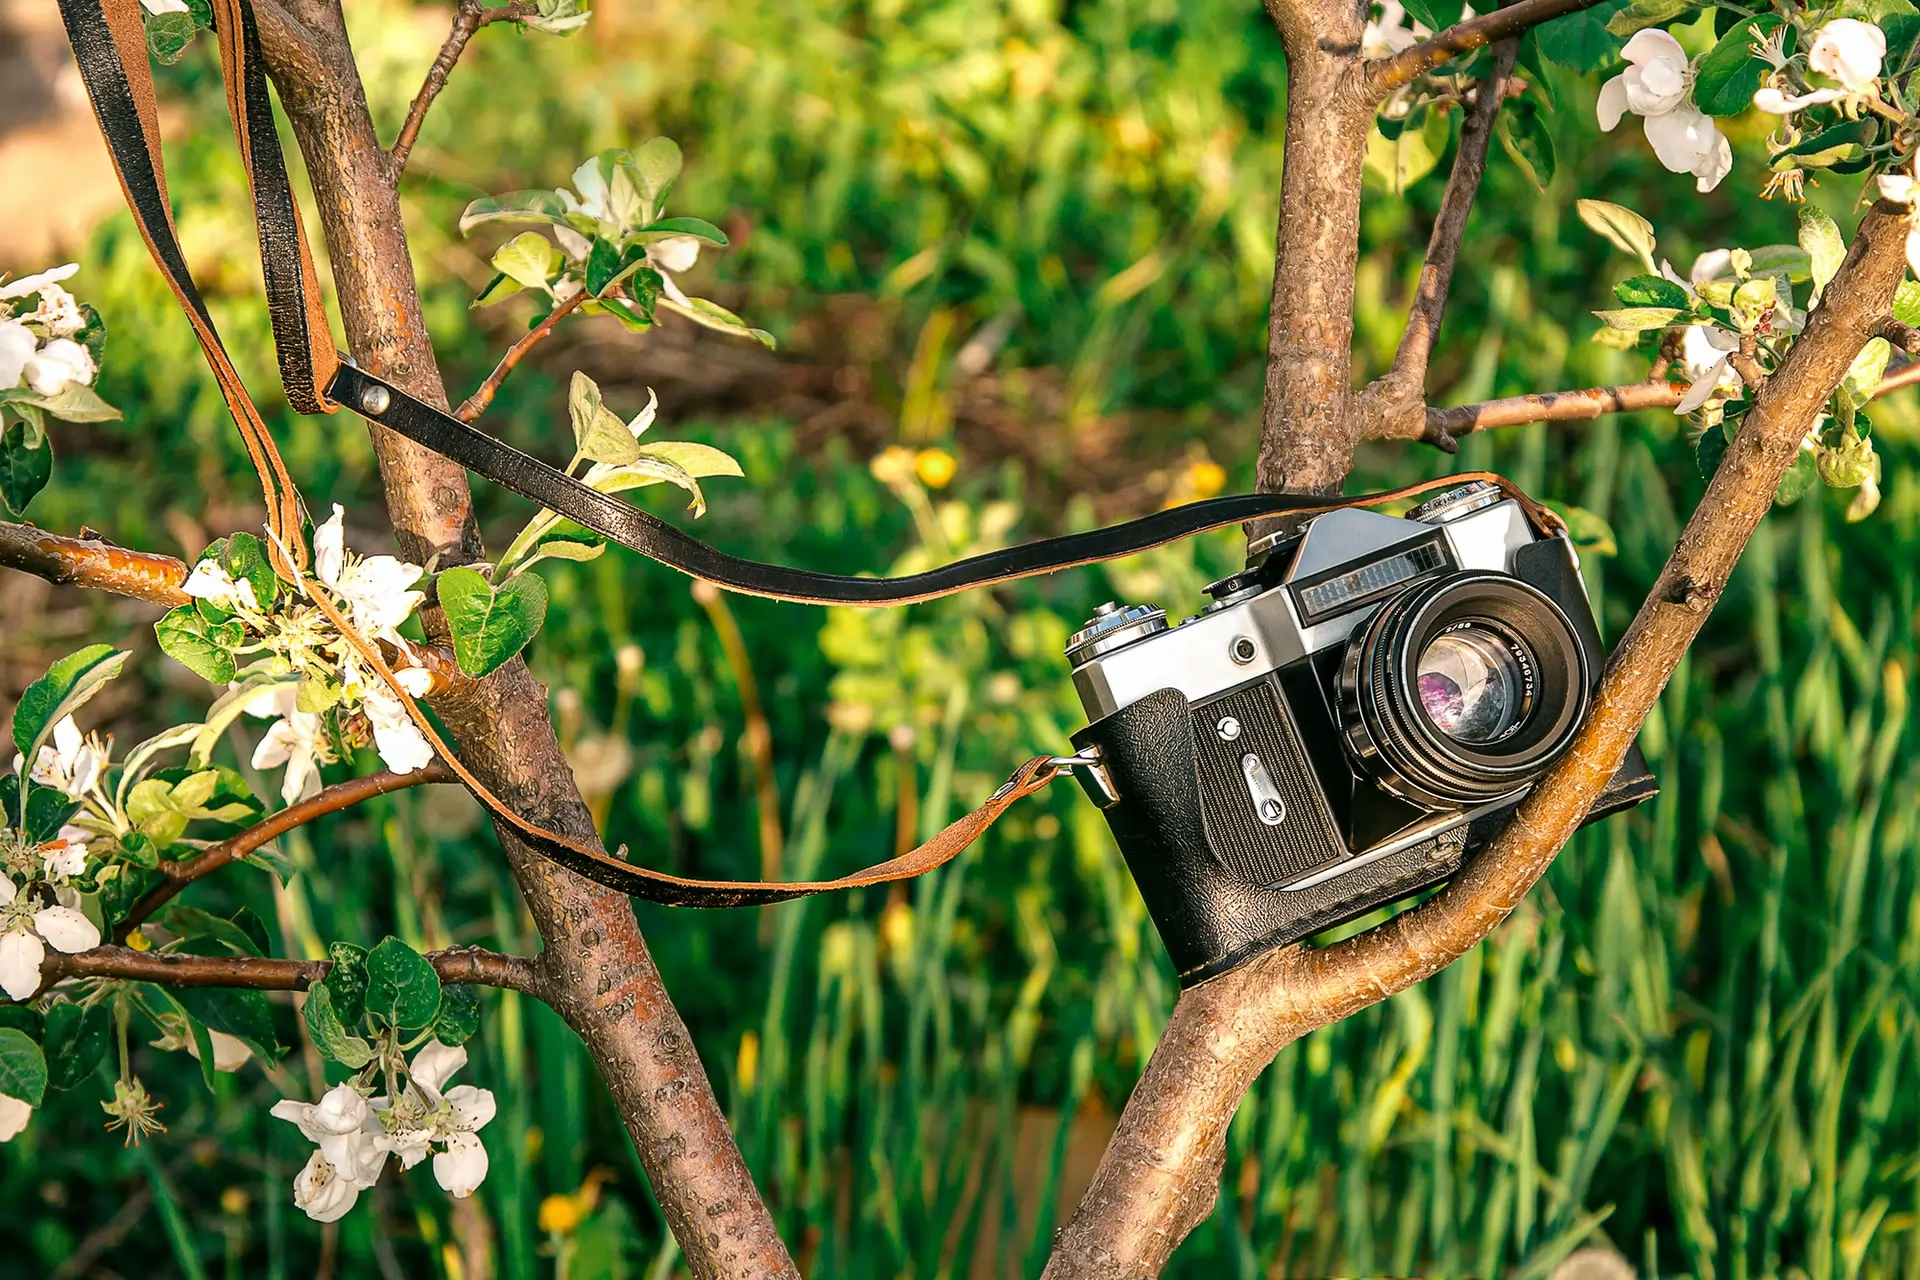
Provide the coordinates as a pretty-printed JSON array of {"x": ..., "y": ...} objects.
[
  {"x": 468, "y": 18},
  {"x": 1160, "y": 1173},
  {"x": 1396, "y": 400},
  {"x": 1384, "y": 75},
  {"x": 341, "y": 795},
  {"x": 468, "y": 966}
]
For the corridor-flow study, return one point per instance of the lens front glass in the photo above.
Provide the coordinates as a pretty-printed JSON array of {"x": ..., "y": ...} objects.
[{"x": 1473, "y": 684}]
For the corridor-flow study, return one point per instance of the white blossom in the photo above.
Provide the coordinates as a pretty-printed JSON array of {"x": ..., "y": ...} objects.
[
  {"x": 424, "y": 1115},
  {"x": 1387, "y": 35},
  {"x": 65, "y": 855},
  {"x": 25, "y": 935},
  {"x": 1706, "y": 352},
  {"x": 71, "y": 764},
  {"x": 28, "y": 285},
  {"x": 17, "y": 345},
  {"x": 166, "y": 6},
  {"x": 58, "y": 365},
  {"x": 211, "y": 582},
  {"x": 1654, "y": 87},
  {"x": 321, "y": 1192},
  {"x": 402, "y": 747},
  {"x": 352, "y": 1151},
  {"x": 1850, "y": 51},
  {"x": 374, "y": 591},
  {"x": 675, "y": 253},
  {"x": 14, "y": 1115},
  {"x": 298, "y": 740}
]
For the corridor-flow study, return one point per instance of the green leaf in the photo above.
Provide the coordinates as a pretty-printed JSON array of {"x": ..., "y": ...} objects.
[
  {"x": 275, "y": 863},
  {"x": 515, "y": 206},
  {"x": 192, "y": 922},
  {"x": 459, "y": 1015},
  {"x": 23, "y": 1067},
  {"x": 656, "y": 165},
  {"x": 645, "y": 471},
  {"x": 1906, "y": 302},
  {"x": 245, "y": 559},
  {"x": 1803, "y": 475},
  {"x": 330, "y": 1035},
  {"x": 227, "y": 708},
  {"x": 245, "y": 1015},
  {"x": 712, "y": 315},
  {"x": 1395, "y": 164},
  {"x": 1636, "y": 319},
  {"x": 1729, "y": 74},
  {"x": 77, "y": 1039},
  {"x": 698, "y": 228},
  {"x": 1624, "y": 229},
  {"x": 25, "y": 467},
  {"x": 168, "y": 35},
  {"x": 1711, "y": 447},
  {"x": 608, "y": 265},
  {"x": 497, "y": 288},
  {"x": 598, "y": 432},
  {"x": 1652, "y": 291},
  {"x": 65, "y": 688},
  {"x": 248, "y": 921},
  {"x": 490, "y": 624},
  {"x": 1825, "y": 248},
  {"x": 402, "y": 988},
  {"x": 1527, "y": 142},
  {"x": 1782, "y": 259},
  {"x": 1581, "y": 40},
  {"x": 347, "y": 980},
  {"x": 47, "y": 810},
  {"x": 188, "y": 638},
  {"x": 1873, "y": 11},
  {"x": 567, "y": 541},
  {"x": 1646, "y": 13},
  {"x": 697, "y": 460},
  {"x": 529, "y": 259},
  {"x": 75, "y": 403}
]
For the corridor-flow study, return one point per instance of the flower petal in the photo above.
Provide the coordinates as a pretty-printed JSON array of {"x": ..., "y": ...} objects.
[
  {"x": 473, "y": 1108},
  {"x": 20, "y": 957},
  {"x": 17, "y": 345},
  {"x": 1701, "y": 391},
  {"x": 321, "y": 1193},
  {"x": 462, "y": 1167},
  {"x": 1652, "y": 44},
  {"x": 1613, "y": 102},
  {"x": 435, "y": 1064},
  {"x": 66, "y": 930},
  {"x": 1682, "y": 138},
  {"x": 329, "y": 547},
  {"x": 14, "y": 1115}
]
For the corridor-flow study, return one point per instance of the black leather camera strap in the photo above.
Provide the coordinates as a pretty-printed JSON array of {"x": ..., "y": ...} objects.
[{"x": 109, "y": 44}]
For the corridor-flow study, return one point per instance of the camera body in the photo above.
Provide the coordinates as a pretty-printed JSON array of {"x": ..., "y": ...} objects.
[{"x": 1353, "y": 716}]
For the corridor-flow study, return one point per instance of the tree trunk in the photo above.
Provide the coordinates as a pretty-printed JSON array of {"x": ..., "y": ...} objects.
[{"x": 596, "y": 970}]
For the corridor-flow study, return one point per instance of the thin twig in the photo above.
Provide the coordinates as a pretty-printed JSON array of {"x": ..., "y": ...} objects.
[
  {"x": 471, "y": 966},
  {"x": 468, "y": 18},
  {"x": 1903, "y": 337},
  {"x": 1384, "y": 75},
  {"x": 476, "y": 404},
  {"x": 1401, "y": 393},
  {"x": 341, "y": 795},
  {"x": 1905, "y": 376}
]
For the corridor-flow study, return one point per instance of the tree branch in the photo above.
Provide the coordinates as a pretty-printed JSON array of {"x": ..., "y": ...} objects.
[
  {"x": 468, "y": 966},
  {"x": 1164, "y": 1157},
  {"x": 468, "y": 18},
  {"x": 1400, "y": 395},
  {"x": 93, "y": 562},
  {"x": 341, "y": 795},
  {"x": 1384, "y": 75},
  {"x": 476, "y": 404}
]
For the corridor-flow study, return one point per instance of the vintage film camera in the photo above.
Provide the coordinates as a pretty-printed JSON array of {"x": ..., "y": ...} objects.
[{"x": 1350, "y": 719}]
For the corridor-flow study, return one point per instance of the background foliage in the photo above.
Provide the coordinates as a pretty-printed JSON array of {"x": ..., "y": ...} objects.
[{"x": 1035, "y": 237}]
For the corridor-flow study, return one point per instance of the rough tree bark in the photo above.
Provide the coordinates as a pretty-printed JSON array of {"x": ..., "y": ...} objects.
[
  {"x": 595, "y": 971},
  {"x": 1159, "y": 1176}
]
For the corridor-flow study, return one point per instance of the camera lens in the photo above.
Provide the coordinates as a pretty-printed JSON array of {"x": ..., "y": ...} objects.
[
  {"x": 1472, "y": 683},
  {"x": 1462, "y": 690}
]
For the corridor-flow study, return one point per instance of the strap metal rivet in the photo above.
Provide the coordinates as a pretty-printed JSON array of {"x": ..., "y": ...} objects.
[
  {"x": 1228, "y": 728},
  {"x": 375, "y": 400}
]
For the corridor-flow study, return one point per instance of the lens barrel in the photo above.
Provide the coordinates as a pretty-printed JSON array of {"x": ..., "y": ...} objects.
[{"x": 1462, "y": 691}]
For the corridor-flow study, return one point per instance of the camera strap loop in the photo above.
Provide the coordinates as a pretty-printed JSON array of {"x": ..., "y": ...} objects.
[{"x": 109, "y": 45}]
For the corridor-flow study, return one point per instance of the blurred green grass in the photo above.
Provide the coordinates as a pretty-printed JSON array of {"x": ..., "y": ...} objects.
[{"x": 1695, "y": 1041}]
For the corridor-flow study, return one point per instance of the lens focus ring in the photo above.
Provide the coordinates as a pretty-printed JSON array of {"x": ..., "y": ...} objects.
[{"x": 1462, "y": 691}]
